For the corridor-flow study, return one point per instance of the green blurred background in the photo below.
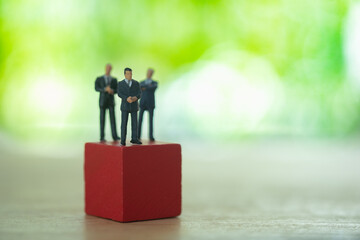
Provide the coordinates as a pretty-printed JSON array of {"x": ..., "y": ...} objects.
[
  {"x": 227, "y": 70},
  {"x": 262, "y": 95}
]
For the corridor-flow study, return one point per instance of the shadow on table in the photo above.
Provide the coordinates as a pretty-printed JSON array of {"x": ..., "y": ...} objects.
[{"x": 104, "y": 229}]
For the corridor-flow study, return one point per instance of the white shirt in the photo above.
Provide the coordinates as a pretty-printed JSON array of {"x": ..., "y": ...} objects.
[
  {"x": 127, "y": 82},
  {"x": 148, "y": 81},
  {"x": 107, "y": 79}
]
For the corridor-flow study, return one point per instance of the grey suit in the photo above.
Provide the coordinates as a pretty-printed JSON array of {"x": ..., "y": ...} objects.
[
  {"x": 106, "y": 101},
  {"x": 124, "y": 91},
  {"x": 147, "y": 103}
]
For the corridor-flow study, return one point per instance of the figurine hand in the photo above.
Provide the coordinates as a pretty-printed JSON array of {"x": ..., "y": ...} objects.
[
  {"x": 134, "y": 99},
  {"x": 111, "y": 91},
  {"x": 108, "y": 89},
  {"x": 129, "y": 100}
]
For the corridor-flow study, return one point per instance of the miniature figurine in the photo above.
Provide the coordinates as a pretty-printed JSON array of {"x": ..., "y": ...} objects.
[
  {"x": 147, "y": 102},
  {"x": 107, "y": 86},
  {"x": 129, "y": 92}
]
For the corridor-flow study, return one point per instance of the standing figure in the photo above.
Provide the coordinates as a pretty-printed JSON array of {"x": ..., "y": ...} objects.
[
  {"x": 147, "y": 102},
  {"x": 129, "y": 92},
  {"x": 107, "y": 86}
]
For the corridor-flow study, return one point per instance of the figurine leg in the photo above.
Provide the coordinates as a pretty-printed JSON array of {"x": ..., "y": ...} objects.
[
  {"x": 134, "y": 126},
  {"x": 151, "y": 126},
  {"x": 141, "y": 114},
  {"x": 102, "y": 123},
  {"x": 113, "y": 123},
  {"x": 124, "y": 120}
]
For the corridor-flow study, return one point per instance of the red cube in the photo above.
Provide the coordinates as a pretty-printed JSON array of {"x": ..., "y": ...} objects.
[{"x": 131, "y": 183}]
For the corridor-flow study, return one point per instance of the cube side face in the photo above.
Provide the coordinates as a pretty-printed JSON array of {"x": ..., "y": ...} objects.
[
  {"x": 103, "y": 181},
  {"x": 152, "y": 182}
]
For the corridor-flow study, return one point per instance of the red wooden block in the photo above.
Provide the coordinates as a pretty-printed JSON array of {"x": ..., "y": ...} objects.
[{"x": 132, "y": 183}]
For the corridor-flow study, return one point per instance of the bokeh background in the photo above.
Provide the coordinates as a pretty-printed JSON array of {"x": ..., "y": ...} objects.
[
  {"x": 262, "y": 95},
  {"x": 228, "y": 70}
]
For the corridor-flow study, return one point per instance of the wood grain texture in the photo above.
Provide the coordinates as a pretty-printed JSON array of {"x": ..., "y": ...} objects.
[{"x": 264, "y": 190}]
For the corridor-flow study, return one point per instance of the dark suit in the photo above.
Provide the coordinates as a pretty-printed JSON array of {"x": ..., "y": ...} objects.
[
  {"x": 106, "y": 100},
  {"x": 147, "y": 103},
  {"x": 124, "y": 91}
]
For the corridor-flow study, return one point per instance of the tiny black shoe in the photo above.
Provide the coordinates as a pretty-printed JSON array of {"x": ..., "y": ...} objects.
[
  {"x": 123, "y": 143},
  {"x": 116, "y": 139},
  {"x": 135, "y": 141},
  {"x": 102, "y": 140},
  {"x": 152, "y": 139}
]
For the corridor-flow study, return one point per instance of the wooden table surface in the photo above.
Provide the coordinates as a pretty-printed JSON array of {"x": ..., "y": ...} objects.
[{"x": 258, "y": 190}]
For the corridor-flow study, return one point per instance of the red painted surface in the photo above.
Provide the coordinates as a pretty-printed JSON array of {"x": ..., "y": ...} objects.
[{"x": 132, "y": 183}]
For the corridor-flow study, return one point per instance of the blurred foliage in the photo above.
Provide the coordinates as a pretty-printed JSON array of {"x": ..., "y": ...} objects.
[{"x": 67, "y": 43}]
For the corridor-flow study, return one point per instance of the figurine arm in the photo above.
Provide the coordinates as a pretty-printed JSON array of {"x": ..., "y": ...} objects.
[
  {"x": 142, "y": 86},
  {"x": 121, "y": 92},
  {"x": 98, "y": 88},
  {"x": 114, "y": 85},
  {"x": 153, "y": 86},
  {"x": 138, "y": 95}
]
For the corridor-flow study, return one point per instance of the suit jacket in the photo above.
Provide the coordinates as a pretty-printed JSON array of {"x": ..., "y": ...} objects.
[
  {"x": 105, "y": 99},
  {"x": 124, "y": 91},
  {"x": 148, "y": 95}
]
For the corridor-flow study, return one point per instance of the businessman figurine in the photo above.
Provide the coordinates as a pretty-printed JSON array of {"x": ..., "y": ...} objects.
[
  {"x": 107, "y": 86},
  {"x": 129, "y": 92},
  {"x": 147, "y": 102}
]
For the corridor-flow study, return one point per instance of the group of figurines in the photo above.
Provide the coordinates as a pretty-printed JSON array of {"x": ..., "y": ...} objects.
[{"x": 130, "y": 91}]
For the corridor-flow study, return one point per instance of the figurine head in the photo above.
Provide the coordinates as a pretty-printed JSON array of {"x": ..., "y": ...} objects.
[
  {"x": 128, "y": 73},
  {"x": 149, "y": 73},
  {"x": 108, "y": 68}
]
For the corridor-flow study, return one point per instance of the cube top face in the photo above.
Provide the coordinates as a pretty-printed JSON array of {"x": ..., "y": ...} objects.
[{"x": 131, "y": 183}]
